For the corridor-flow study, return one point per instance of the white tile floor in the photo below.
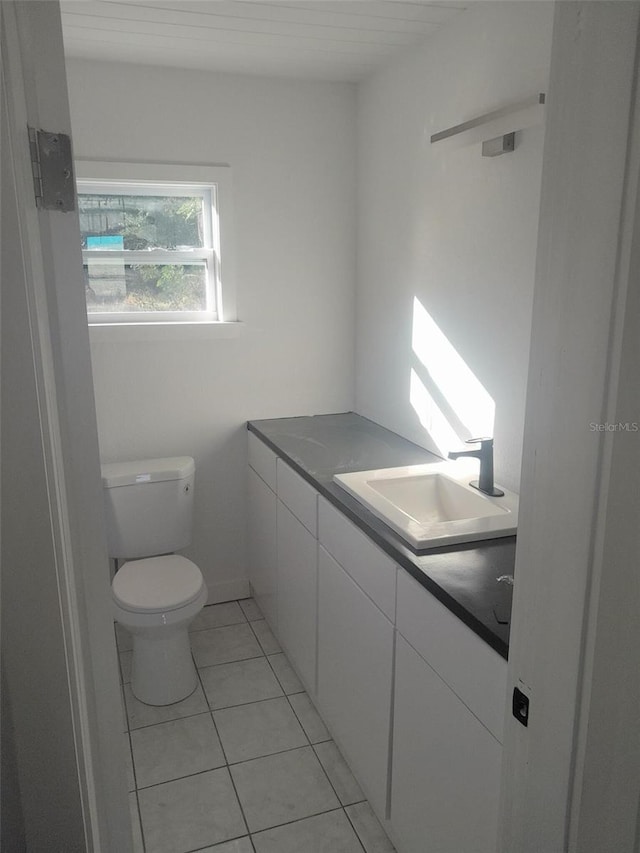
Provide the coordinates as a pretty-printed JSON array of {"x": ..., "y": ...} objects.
[{"x": 245, "y": 764}]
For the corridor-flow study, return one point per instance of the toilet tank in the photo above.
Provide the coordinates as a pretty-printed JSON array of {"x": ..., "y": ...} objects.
[{"x": 148, "y": 506}]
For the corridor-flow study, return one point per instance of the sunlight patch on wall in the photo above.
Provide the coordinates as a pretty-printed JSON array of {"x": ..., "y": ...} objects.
[
  {"x": 450, "y": 401},
  {"x": 431, "y": 416}
]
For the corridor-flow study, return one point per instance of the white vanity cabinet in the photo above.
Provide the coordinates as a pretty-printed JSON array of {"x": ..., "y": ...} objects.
[
  {"x": 355, "y": 649},
  {"x": 262, "y": 528},
  {"x": 297, "y": 572},
  {"x": 283, "y": 555},
  {"x": 448, "y": 709},
  {"x": 413, "y": 697}
]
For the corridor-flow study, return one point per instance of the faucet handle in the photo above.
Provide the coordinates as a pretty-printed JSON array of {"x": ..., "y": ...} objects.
[{"x": 478, "y": 440}]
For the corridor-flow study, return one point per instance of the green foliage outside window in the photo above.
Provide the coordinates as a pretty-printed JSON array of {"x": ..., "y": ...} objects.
[{"x": 167, "y": 223}]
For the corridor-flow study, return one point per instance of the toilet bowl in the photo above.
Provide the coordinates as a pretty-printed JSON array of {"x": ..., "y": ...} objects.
[{"x": 156, "y": 599}]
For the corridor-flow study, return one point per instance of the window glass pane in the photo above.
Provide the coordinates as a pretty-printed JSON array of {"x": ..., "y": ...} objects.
[
  {"x": 115, "y": 286},
  {"x": 139, "y": 222}
]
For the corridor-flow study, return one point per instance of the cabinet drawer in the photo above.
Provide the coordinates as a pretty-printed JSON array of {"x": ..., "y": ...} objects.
[
  {"x": 370, "y": 568},
  {"x": 263, "y": 461},
  {"x": 298, "y": 496},
  {"x": 471, "y": 668}
]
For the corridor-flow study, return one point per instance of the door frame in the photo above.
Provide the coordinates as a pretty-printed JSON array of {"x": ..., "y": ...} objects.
[
  {"x": 571, "y": 778},
  {"x": 563, "y": 622},
  {"x": 50, "y": 272}
]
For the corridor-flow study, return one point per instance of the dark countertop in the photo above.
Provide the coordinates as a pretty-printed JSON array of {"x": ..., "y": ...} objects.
[{"x": 463, "y": 577}]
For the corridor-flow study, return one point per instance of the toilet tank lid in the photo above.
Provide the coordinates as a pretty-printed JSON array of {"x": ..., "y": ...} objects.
[{"x": 146, "y": 471}]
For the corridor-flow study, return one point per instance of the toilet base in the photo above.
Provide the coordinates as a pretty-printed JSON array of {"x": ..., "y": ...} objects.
[{"x": 162, "y": 670}]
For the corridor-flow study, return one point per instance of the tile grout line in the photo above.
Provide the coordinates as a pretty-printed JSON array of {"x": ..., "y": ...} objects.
[
  {"x": 342, "y": 805},
  {"x": 144, "y": 843},
  {"x": 171, "y": 719},
  {"x": 315, "y": 710},
  {"x": 244, "y": 704},
  {"x": 219, "y": 844},
  {"x": 222, "y": 707},
  {"x": 133, "y": 764},
  {"x": 223, "y": 662},
  {"x": 264, "y": 654},
  {"x": 224, "y": 753},
  {"x": 130, "y": 747},
  {"x": 227, "y": 624},
  {"x": 228, "y": 662},
  {"x": 180, "y": 778},
  {"x": 300, "y": 819},
  {"x": 245, "y": 761},
  {"x": 312, "y": 745},
  {"x": 317, "y": 757},
  {"x": 353, "y": 826},
  {"x": 304, "y": 731},
  {"x": 214, "y": 627},
  {"x": 280, "y": 752},
  {"x": 268, "y": 755},
  {"x": 278, "y": 679},
  {"x": 210, "y": 712},
  {"x": 259, "y": 641}
]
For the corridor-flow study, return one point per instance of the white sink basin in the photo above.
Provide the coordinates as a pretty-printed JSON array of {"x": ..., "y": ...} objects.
[{"x": 433, "y": 505}]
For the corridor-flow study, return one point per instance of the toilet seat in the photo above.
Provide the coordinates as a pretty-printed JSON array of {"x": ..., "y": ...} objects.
[{"x": 157, "y": 584}]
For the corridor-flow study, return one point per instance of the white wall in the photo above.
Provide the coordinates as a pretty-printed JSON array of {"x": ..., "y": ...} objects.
[
  {"x": 291, "y": 146},
  {"x": 443, "y": 224}
]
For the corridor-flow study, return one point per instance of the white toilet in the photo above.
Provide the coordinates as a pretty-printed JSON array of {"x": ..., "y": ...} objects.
[{"x": 156, "y": 593}]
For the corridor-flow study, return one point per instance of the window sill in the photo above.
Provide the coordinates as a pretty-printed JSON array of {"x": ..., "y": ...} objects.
[{"x": 183, "y": 331}]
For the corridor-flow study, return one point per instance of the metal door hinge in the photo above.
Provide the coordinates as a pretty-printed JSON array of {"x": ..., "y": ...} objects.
[{"x": 52, "y": 168}]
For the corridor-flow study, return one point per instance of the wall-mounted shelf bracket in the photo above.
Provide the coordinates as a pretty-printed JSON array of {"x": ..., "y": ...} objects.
[{"x": 489, "y": 117}]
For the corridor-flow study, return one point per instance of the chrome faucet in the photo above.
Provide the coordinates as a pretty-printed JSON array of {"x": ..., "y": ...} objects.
[{"x": 485, "y": 454}]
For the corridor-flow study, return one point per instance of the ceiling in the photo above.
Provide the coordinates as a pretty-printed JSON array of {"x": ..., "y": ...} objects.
[{"x": 326, "y": 40}]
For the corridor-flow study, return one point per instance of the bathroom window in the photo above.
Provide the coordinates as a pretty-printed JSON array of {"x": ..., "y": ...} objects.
[{"x": 152, "y": 243}]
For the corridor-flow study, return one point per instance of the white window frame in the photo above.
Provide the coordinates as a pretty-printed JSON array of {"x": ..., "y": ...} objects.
[{"x": 166, "y": 179}]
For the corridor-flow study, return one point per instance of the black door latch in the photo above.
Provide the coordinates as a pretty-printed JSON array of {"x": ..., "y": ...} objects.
[{"x": 520, "y": 706}]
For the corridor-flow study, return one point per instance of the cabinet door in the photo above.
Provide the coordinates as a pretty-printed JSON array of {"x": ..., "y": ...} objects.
[
  {"x": 446, "y": 766},
  {"x": 262, "y": 547},
  {"x": 355, "y": 659},
  {"x": 297, "y": 601},
  {"x": 470, "y": 667}
]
